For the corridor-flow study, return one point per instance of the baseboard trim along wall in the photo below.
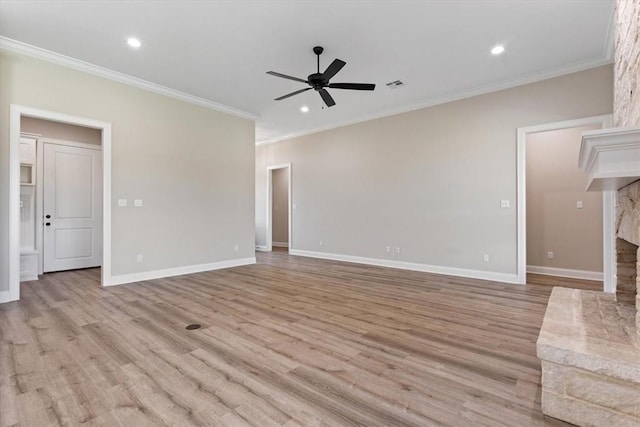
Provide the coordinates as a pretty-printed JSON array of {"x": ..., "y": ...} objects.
[
  {"x": 280, "y": 244},
  {"x": 449, "y": 271},
  {"x": 178, "y": 271},
  {"x": 5, "y": 296},
  {"x": 261, "y": 248},
  {"x": 566, "y": 272}
]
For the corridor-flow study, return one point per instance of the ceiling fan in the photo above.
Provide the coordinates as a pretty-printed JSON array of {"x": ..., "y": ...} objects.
[{"x": 319, "y": 81}]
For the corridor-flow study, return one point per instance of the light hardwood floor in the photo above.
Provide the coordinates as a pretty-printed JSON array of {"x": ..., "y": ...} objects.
[{"x": 289, "y": 341}]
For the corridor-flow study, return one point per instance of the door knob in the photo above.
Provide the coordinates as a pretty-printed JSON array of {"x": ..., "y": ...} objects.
[
  {"x": 47, "y": 224},
  {"x": 47, "y": 216}
]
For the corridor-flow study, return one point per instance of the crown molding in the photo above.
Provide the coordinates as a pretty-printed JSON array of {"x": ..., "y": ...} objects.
[
  {"x": 11, "y": 45},
  {"x": 610, "y": 41},
  {"x": 455, "y": 96},
  {"x": 15, "y": 46},
  {"x": 606, "y": 58}
]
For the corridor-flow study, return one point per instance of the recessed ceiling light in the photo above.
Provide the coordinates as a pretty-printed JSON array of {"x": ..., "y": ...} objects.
[
  {"x": 134, "y": 42},
  {"x": 304, "y": 109},
  {"x": 497, "y": 50}
]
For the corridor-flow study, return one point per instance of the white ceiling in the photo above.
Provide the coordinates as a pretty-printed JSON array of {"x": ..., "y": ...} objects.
[{"x": 220, "y": 50}]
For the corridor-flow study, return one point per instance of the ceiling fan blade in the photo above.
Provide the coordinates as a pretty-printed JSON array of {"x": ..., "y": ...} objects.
[
  {"x": 293, "y": 93},
  {"x": 327, "y": 98},
  {"x": 284, "y": 76},
  {"x": 353, "y": 86},
  {"x": 333, "y": 69}
]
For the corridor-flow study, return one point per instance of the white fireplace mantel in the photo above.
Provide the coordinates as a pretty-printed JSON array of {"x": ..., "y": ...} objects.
[{"x": 610, "y": 157}]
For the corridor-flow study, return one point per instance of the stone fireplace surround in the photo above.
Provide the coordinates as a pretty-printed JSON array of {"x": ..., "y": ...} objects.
[
  {"x": 628, "y": 259},
  {"x": 589, "y": 343},
  {"x": 628, "y": 234}
]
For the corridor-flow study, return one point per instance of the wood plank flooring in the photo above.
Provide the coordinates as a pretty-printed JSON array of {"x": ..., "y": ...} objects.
[{"x": 290, "y": 341}]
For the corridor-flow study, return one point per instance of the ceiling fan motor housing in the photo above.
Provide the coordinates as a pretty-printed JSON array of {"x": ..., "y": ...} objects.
[{"x": 317, "y": 81}]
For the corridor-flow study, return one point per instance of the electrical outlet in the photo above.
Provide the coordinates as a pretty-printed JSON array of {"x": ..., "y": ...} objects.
[
  {"x": 388, "y": 248},
  {"x": 137, "y": 203},
  {"x": 485, "y": 257},
  {"x": 550, "y": 255},
  {"x": 321, "y": 242},
  {"x": 505, "y": 204},
  {"x": 397, "y": 249},
  {"x": 579, "y": 204},
  {"x": 139, "y": 258},
  {"x": 122, "y": 203}
]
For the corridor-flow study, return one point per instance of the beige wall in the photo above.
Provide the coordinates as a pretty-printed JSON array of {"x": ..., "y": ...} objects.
[
  {"x": 555, "y": 184},
  {"x": 280, "y": 206},
  {"x": 62, "y": 131},
  {"x": 192, "y": 166},
  {"x": 429, "y": 181}
]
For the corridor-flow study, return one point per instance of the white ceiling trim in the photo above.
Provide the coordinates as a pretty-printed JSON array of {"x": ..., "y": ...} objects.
[
  {"x": 605, "y": 59},
  {"x": 66, "y": 61},
  {"x": 519, "y": 81},
  {"x": 610, "y": 41}
]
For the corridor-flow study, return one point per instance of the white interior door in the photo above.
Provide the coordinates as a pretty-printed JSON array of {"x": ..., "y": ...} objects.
[{"x": 72, "y": 207}]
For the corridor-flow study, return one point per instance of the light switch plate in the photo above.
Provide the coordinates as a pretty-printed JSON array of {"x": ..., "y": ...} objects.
[
  {"x": 122, "y": 202},
  {"x": 137, "y": 202},
  {"x": 579, "y": 204}
]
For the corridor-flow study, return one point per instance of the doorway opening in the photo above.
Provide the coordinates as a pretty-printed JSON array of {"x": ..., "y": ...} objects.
[
  {"x": 563, "y": 230},
  {"x": 564, "y": 222},
  {"x": 59, "y": 175},
  {"x": 279, "y": 208}
]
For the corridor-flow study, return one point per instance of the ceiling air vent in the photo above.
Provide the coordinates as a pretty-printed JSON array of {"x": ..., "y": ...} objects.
[{"x": 394, "y": 84}]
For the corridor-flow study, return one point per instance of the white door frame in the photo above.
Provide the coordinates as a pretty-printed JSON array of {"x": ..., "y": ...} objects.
[
  {"x": 608, "y": 200},
  {"x": 15, "y": 113},
  {"x": 270, "y": 170}
]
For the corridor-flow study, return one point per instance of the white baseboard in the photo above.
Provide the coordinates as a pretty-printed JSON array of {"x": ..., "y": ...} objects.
[
  {"x": 261, "y": 248},
  {"x": 29, "y": 278},
  {"x": 5, "y": 296},
  {"x": 450, "y": 271},
  {"x": 566, "y": 272},
  {"x": 280, "y": 244},
  {"x": 121, "y": 279}
]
